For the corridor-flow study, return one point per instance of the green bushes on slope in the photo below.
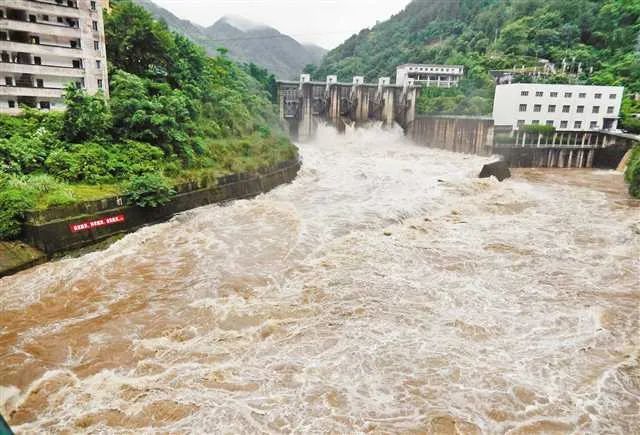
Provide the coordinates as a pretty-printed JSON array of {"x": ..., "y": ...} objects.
[
  {"x": 632, "y": 174},
  {"x": 484, "y": 35},
  {"x": 174, "y": 114}
]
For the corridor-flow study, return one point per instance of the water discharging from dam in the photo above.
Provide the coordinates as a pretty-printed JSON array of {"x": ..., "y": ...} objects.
[{"x": 386, "y": 290}]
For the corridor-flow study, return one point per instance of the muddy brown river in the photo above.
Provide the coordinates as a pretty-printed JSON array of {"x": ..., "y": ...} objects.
[{"x": 386, "y": 290}]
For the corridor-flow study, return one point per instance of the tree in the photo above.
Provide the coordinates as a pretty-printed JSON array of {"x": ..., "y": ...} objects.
[{"x": 87, "y": 116}]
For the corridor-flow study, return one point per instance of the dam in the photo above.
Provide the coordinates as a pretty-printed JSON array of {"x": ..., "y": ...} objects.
[{"x": 304, "y": 105}]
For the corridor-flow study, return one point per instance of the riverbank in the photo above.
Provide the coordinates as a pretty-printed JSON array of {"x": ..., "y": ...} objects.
[{"x": 56, "y": 230}]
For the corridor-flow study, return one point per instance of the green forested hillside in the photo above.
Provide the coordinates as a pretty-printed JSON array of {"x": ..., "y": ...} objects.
[
  {"x": 175, "y": 114},
  {"x": 498, "y": 34}
]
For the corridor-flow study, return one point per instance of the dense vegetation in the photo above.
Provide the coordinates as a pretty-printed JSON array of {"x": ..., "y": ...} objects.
[
  {"x": 486, "y": 35},
  {"x": 174, "y": 114},
  {"x": 632, "y": 175}
]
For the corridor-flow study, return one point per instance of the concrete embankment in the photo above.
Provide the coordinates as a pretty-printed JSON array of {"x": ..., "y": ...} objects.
[{"x": 63, "y": 229}]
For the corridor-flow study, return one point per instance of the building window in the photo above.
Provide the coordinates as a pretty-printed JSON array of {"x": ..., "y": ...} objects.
[
  {"x": 98, "y": 64},
  {"x": 564, "y": 124},
  {"x": 577, "y": 124},
  {"x": 12, "y": 104},
  {"x": 45, "y": 18},
  {"x": 612, "y": 96},
  {"x": 535, "y": 122},
  {"x": 539, "y": 94},
  {"x": 594, "y": 124},
  {"x": 552, "y": 108},
  {"x": 76, "y": 64},
  {"x": 60, "y": 20},
  {"x": 45, "y": 105},
  {"x": 40, "y": 83},
  {"x": 32, "y": 18},
  {"x": 566, "y": 109},
  {"x": 537, "y": 108},
  {"x": 568, "y": 95},
  {"x": 3, "y": 36},
  {"x": 610, "y": 109},
  {"x": 95, "y": 26},
  {"x": 520, "y": 122},
  {"x": 582, "y": 95},
  {"x": 96, "y": 45},
  {"x": 99, "y": 83},
  {"x": 580, "y": 109},
  {"x": 596, "y": 109},
  {"x": 550, "y": 123},
  {"x": 93, "y": 6},
  {"x": 598, "y": 96},
  {"x": 1, "y": 13},
  {"x": 523, "y": 107},
  {"x": 37, "y": 60},
  {"x": 554, "y": 94},
  {"x": 524, "y": 93},
  {"x": 8, "y": 81}
]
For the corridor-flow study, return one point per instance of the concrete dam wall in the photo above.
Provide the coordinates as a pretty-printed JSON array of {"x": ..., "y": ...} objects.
[
  {"x": 562, "y": 149},
  {"x": 454, "y": 133}
]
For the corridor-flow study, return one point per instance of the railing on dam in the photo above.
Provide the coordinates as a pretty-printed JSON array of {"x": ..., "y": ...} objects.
[{"x": 304, "y": 104}]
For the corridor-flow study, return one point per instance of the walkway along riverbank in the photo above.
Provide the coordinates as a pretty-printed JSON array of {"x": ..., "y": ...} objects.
[{"x": 62, "y": 229}]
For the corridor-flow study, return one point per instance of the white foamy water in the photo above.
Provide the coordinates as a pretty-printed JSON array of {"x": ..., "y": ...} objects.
[{"x": 386, "y": 290}]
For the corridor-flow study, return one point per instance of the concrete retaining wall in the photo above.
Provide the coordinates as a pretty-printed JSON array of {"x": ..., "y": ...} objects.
[
  {"x": 51, "y": 230},
  {"x": 470, "y": 135}
]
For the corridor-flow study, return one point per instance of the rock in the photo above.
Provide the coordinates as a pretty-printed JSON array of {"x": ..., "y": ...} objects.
[
  {"x": 387, "y": 233},
  {"x": 499, "y": 169},
  {"x": 636, "y": 228}
]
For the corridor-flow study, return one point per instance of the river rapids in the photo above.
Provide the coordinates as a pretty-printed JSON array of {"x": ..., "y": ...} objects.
[{"x": 386, "y": 290}]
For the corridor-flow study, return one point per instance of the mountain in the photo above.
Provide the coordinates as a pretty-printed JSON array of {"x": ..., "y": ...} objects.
[
  {"x": 246, "y": 41},
  {"x": 486, "y": 35}
]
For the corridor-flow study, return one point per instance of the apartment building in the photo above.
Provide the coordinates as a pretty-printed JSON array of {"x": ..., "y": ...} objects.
[
  {"x": 565, "y": 107},
  {"x": 441, "y": 76},
  {"x": 44, "y": 45}
]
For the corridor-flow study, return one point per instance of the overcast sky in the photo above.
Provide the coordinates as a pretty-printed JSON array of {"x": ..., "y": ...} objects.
[{"x": 323, "y": 22}]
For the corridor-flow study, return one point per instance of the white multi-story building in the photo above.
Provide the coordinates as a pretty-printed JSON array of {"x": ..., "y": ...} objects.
[
  {"x": 44, "y": 45},
  {"x": 442, "y": 76},
  {"x": 565, "y": 107}
]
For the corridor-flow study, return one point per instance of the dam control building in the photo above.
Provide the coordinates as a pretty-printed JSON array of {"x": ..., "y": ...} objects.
[
  {"x": 426, "y": 75},
  {"x": 47, "y": 44},
  {"x": 563, "y": 106}
]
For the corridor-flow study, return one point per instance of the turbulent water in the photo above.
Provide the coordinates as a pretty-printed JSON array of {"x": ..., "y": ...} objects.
[{"x": 385, "y": 290}]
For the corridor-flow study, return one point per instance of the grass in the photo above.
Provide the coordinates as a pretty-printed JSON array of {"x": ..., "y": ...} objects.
[{"x": 228, "y": 156}]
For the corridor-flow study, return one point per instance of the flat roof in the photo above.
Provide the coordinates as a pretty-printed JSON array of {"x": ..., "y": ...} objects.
[
  {"x": 558, "y": 85},
  {"x": 429, "y": 65}
]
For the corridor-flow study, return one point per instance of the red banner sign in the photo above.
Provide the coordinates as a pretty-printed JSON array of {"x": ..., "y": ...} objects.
[{"x": 104, "y": 222}]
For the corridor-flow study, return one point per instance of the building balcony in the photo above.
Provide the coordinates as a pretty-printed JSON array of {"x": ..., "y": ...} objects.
[
  {"x": 19, "y": 91},
  {"x": 44, "y": 7},
  {"x": 39, "y": 28},
  {"x": 41, "y": 70},
  {"x": 41, "y": 49}
]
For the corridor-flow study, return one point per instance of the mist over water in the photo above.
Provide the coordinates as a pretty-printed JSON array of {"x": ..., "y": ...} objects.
[{"x": 387, "y": 290}]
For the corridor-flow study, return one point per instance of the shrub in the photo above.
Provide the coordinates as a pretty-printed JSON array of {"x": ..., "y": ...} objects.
[
  {"x": 149, "y": 190},
  {"x": 544, "y": 130},
  {"x": 632, "y": 174},
  {"x": 87, "y": 116},
  {"x": 86, "y": 162}
]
